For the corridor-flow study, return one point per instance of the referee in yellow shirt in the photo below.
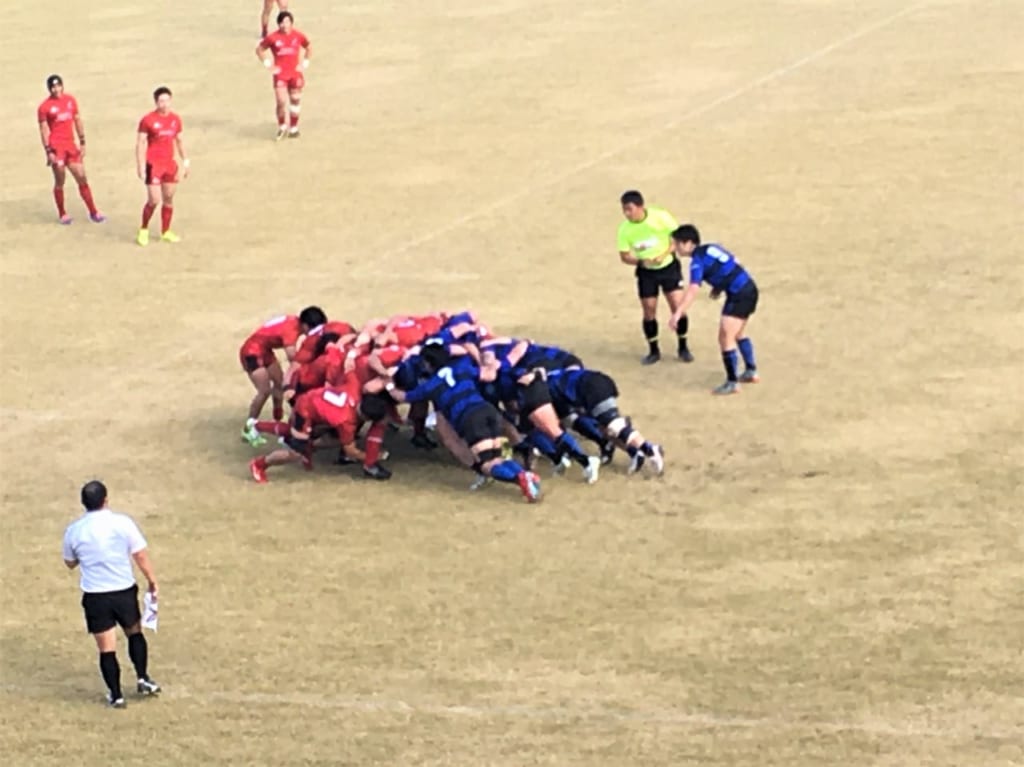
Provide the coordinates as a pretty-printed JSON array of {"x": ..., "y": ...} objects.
[{"x": 645, "y": 241}]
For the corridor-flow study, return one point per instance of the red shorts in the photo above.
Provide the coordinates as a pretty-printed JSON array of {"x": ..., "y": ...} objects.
[
  {"x": 293, "y": 81},
  {"x": 65, "y": 154},
  {"x": 253, "y": 357},
  {"x": 161, "y": 172}
]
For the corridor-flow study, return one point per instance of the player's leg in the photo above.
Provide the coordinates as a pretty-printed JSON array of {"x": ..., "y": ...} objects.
[
  {"x": 374, "y": 408},
  {"x": 537, "y": 407},
  {"x": 453, "y": 442},
  {"x": 418, "y": 413},
  {"x": 728, "y": 329},
  {"x": 77, "y": 170},
  {"x": 152, "y": 201},
  {"x": 649, "y": 306},
  {"x": 167, "y": 190},
  {"x": 744, "y": 306},
  {"x": 281, "y": 107},
  {"x": 262, "y": 382},
  {"x": 600, "y": 394},
  {"x": 276, "y": 386},
  {"x": 294, "y": 108},
  {"x": 295, "y": 450},
  {"x": 268, "y": 7},
  {"x": 59, "y": 176},
  {"x": 483, "y": 432},
  {"x": 674, "y": 298}
]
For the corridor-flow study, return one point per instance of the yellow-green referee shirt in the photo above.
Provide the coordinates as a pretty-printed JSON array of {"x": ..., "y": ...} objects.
[{"x": 649, "y": 240}]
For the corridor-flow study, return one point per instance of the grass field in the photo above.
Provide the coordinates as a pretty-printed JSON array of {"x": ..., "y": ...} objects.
[{"x": 831, "y": 570}]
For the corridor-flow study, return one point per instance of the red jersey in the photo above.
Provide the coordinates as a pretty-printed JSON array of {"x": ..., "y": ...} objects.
[
  {"x": 59, "y": 115},
  {"x": 411, "y": 330},
  {"x": 335, "y": 406},
  {"x": 275, "y": 334},
  {"x": 285, "y": 48},
  {"x": 160, "y": 130},
  {"x": 389, "y": 356},
  {"x": 307, "y": 352}
]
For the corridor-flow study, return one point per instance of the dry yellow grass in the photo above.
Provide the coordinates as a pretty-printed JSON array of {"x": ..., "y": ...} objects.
[{"x": 831, "y": 570}]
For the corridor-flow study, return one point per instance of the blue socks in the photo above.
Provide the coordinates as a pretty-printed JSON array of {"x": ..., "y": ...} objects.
[
  {"x": 729, "y": 359},
  {"x": 506, "y": 471},
  {"x": 747, "y": 350}
]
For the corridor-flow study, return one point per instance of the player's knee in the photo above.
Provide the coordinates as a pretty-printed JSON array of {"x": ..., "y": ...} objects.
[
  {"x": 296, "y": 444},
  {"x": 619, "y": 427}
]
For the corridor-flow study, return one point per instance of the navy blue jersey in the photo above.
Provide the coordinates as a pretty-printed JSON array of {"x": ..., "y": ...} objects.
[
  {"x": 564, "y": 386},
  {"x": 452, "y": 389},
  {"x": 462, "y": 318},
  {"x": 719, "y": 268},
  {"x": 547, "y": 357}
]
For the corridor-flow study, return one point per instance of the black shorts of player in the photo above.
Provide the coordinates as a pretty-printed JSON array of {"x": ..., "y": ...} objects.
[
  {"x": 106, "y": 609},
  {"x": 650, "y": 281},
  {"x": 482, "y": 422},
  {"x": 596, "y": 388},
  {"x": 742, "y": 303},
  {"x": 251, "y": 362}
]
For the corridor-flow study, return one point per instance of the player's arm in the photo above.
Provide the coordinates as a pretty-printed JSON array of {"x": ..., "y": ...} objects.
[
  {"x": 261, "y": 49},
  {"x": 307, "y": 52},
  {"x": 44, "y": 136},
  {"x": 140, "y": 154},
  {"x": 185, "y": 162},
  {"x": 689, "y": 296},
  {"x": 80, "y": 132},
  {"x": 627, "y": 257},
  {"x": 425, "y": 391}
]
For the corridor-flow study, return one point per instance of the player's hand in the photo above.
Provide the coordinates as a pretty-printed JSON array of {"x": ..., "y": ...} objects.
[
  {"x": 715, "y": 294},
  {"x": 50, "y": 154},
  {"x": 674, "y": 320},
  {"x": 305, "y": 64},
  {"x": 153, "y": 589},
  {"x": 81, "y": 151},
  {"x": 141, "y": 172},
  {"x": 185, "y": 168}
]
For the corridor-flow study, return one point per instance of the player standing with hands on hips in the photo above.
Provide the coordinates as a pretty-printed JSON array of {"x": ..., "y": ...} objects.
[
  {"x": 645, "y": 242},
  {"x": 159, "y": 134},
  {"x": 290, "y": 52},
  {"x": 719, "y": 268},
  {"x": 57, "y": 115},
  {"x": 103, "y": 543}
]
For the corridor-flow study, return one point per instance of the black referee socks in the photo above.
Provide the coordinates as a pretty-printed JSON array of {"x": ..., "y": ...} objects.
[
  {"x": 651, "y": 334},
  {"x": 138, "y": 651},
  {"x": 111, "y": 671}
]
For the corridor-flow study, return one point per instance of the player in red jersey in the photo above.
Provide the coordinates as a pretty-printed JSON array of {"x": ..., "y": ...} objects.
[
  {"x": 159, "y": 134},
  {"x": 268, "y": 7},
  {"x": 57, "y": 114},
  {"x": 260, "y": 362},
  {"x": 342, "y": 409},
  {"x": 290, "y": 51}
]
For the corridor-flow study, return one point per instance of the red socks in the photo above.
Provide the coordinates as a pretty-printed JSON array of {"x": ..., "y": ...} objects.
[
  {"x": 58, "y": 197},
  {"x": 147, "y": 213},
  {"x": 278, "y": 412},
  {"x": 86, "y": 192},
  {"x": 374, "y": 442},
  {"x": 273, "y": 427},
  {"x": 166, "y": 211}
]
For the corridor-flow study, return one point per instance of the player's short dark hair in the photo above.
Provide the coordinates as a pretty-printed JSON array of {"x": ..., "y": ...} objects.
[
  {"x": 687, "y": 233},
  {"x": 285, "y": 15},
  {"x": 632, "y": 197},
  {"x": 312, "y": 316},
  {"x": 163, "y": 90},
  {"x": 94, "y": 495},
  {"x": 324, "y": 340},
  {"x": 53, "y": 80},
  {"x": 435, "y": 356}
]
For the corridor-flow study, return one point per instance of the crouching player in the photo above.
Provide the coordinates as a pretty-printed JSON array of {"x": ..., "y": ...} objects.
[
  {"x": 452, "y": 386},
  {"x": 340, "y": 409},
  {"x": 592, "y": 393}
]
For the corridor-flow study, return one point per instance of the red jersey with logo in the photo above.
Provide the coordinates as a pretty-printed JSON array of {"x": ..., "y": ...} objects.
[
  {"x": 59, "y": 116},
  {"x": 411, "y": 330},
  {"x": 335, "y": 406},
  {"x": 275, "y": 334},
  {"x": 160, "y": 130},
  {"x": 285, "y": 48},
  {"x": 307, "y": 352}
]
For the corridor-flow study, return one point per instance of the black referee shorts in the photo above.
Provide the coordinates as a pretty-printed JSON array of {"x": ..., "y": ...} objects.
[
  {"x": 106, "y": 609},
  {"x": 650, "y": 281}
]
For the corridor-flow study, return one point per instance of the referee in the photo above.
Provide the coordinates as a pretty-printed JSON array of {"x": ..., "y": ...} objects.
[
  {"x": 104, "y": 543},
  {"x": 645, "y": 241}
]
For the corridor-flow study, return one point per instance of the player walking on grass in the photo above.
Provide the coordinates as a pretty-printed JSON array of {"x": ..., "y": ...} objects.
[
  {"x": 158, "y": 136},
  {"x": 58, "y": 114},
  {"x": 104, "y": 544},
  {"x": 718, "y": 267},
  {"x": 645, "y": 243},
  {"x": 290, "y": 51}
]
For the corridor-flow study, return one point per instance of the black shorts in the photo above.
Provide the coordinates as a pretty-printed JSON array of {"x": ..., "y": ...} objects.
[
  {"x": 106, "y": 609},
  {"x": 742, "y": 303},
  {"x": 595, "y": 388},
  {"x": 480, "y": 423},
  {"x": 251, "y": 363},
  {"x": 650, "y": 281}
]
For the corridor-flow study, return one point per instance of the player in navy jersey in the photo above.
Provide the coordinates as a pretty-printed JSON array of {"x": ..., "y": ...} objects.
[
  {"x": 719, "y": 268},
  {"x": 452, "y": 387},
  {"x": 594, "y": 394}
]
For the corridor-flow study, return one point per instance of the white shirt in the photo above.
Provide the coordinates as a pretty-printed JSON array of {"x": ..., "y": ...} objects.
[{"x": 103, "y": 542}]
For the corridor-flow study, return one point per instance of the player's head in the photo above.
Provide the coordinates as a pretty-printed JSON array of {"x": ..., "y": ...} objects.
[
  {"x": 685, "y": 240},
  {"x": 324, "y": 341},
  {"x": 162, "y": 98},
  {"x": 633, "y": 205},
  {"x": 285, "y": 21},
  {"x": 55, "y": 85},
  {"x": 435, "y": 355},
  {"x": 94, "y": 495},
  {"x": 311, "y": 317}
]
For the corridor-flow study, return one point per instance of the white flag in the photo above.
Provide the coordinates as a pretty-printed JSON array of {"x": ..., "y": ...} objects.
[{"x": 149, "y": 611}]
